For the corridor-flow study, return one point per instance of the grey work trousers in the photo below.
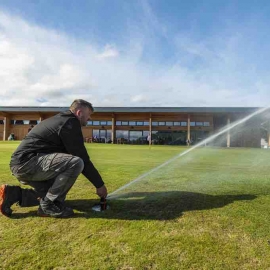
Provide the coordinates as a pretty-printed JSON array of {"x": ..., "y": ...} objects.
[{"x": 50, "y": 175}]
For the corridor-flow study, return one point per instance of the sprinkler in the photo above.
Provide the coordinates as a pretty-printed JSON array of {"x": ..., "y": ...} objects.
[{"x": 101, "y": 206}]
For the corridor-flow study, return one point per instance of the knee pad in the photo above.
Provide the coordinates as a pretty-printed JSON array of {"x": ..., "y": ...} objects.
[{"x": 78, "y": 163}]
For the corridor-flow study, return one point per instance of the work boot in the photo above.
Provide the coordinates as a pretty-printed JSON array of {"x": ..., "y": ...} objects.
[
  {"x": 8, "y": 196},
  {"x": 62, "y": 205},
  {"x": 48, "y": 208}
]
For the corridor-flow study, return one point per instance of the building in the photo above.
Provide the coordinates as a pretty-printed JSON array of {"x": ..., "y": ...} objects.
[{"x": 167, "y": 125}]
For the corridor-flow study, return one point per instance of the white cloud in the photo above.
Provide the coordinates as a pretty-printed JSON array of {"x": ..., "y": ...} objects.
[
  {"x": 139, "y": 98},
  {"x": 109, "y": 51},
  {"x": 42, "y": 67}
]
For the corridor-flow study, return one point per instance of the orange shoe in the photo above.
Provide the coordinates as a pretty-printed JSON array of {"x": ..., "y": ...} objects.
[{"x": 8, "y": 196}]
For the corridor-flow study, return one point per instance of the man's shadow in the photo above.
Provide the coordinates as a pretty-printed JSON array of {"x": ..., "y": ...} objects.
[{"x": 155, "y": 205}]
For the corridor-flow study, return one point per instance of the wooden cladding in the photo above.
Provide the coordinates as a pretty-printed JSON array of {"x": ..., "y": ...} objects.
[{"x": 150, "y": 118}]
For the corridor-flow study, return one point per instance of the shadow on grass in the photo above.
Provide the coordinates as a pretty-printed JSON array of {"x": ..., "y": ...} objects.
[
  {"x": 155, "y": 205},
  {"x": 16, "y": 215},
  {"x": 149, "y": 205}
]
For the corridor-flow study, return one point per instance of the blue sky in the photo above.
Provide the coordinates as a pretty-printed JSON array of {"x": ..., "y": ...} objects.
[{"x": 135, "y": 53}]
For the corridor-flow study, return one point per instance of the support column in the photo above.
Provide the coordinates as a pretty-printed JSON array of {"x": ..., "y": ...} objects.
[
  {"x": 188, "y": 128},
  {"x": 41, "y": 117},
  {"x": 150, "y": 129},
  {"x": 228, "y": 132},
  {"x": 268, "y": 133},
  {"x": 113, "y": 128},
  {"x": 6, "y": 128}
]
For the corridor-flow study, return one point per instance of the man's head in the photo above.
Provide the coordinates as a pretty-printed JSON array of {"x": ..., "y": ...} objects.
[{"x": 82, "y": 109}]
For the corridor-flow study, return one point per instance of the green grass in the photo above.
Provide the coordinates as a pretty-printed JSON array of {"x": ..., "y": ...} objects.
[{"x": 209, "y": 209}]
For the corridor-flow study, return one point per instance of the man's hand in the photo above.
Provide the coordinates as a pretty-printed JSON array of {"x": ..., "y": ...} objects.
[{"x": 102, "y": 191}]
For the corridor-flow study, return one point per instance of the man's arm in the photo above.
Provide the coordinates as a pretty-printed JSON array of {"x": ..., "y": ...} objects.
[{"x": 72, "y": 138}]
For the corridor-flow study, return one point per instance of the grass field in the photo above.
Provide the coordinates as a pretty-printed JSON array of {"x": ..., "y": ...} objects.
[{"x": 209, "y": 209}]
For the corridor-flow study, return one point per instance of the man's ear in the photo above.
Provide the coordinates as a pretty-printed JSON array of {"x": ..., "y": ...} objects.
[{"x": 79, "y": 113}]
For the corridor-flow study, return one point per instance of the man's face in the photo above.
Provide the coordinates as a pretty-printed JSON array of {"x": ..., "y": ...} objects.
[{"x": 84, "y": 115}]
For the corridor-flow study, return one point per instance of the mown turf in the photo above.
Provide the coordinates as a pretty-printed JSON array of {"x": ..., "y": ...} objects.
[{"x": 206, "y": 210}]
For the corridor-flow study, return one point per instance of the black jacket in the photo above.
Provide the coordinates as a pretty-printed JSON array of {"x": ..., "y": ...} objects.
[{"x": 59, "y": 134}]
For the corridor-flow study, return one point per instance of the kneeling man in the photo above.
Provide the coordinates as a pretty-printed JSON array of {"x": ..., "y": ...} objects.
[{"x": 49, "y": 159}]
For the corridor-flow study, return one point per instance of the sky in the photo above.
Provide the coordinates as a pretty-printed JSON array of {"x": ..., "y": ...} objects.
[{"x": 135, "y": 53}]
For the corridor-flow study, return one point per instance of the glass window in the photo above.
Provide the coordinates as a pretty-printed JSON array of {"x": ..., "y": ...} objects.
[
  {"x": 124, "y": 123},
  {"x": 146, "y": 123},
  {"x": 199, "y": 124},
  {"x": 132, "y": 123},
  {"x": 89, "y": 123},
  {"x": 95, "y": 123},
  {"x": 103, "y": 123},
  {"x": 121, "y": 134},
  {"x": 109, "y": 123},
  {"x": 176, "y": 123},
  {"x": 135, "y": 135},
  {"x": 183, "y": 124},
  {"x": 145, "y": 133},
  {"x": 102, "y": 133},
  {"x": 109, "y": 134},
  {"x": 154, "y": 123},
  {"x": 206, "y": 124},
  {"x": 118, "y": 123},
  {"x": 33, "y": 122},
  {"x": 24, "y": 122},
  {"x": 192, "y": 124},
  {"x": 19, "y": 122},
  {"x": 96, "y": 133},
  {"x": 139, "y": 123},
  {"x": 169, "y": 123},
  {"x": 1, "y": 122},
  {"x": 161, "y": 123}
]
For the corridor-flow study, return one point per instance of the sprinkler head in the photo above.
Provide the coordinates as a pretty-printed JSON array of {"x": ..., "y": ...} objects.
[{"x": 101, "y": 206}]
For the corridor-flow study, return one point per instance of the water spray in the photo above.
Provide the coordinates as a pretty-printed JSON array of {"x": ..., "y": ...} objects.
[{"x": 207, "y": 140}]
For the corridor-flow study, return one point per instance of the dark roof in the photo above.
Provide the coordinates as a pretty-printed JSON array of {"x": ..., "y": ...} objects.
[{"x": 136, "y": 109}]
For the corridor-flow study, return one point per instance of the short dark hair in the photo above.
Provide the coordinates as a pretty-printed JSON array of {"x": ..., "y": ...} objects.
[{"x": 79, "y": 103}]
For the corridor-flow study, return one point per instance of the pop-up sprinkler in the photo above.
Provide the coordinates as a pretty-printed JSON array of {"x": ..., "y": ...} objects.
[{"x": 101, "y": 206}]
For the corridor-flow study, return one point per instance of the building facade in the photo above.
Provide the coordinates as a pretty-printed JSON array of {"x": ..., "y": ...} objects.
[{"x": 141, "y": 125}]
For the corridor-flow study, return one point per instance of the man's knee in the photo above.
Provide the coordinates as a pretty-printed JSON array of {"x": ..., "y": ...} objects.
[{"x": 78, "y": 164}]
